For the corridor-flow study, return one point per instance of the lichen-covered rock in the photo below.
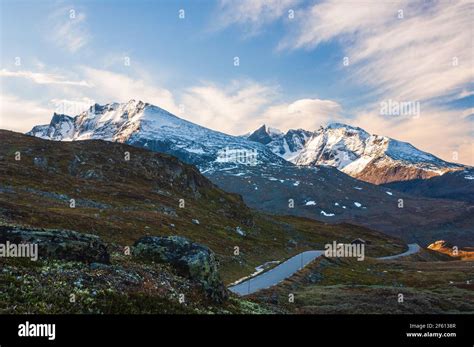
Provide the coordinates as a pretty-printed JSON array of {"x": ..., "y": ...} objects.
[
  {"x": 190, "y": 259},
  {"x": 59, "y": 244}
]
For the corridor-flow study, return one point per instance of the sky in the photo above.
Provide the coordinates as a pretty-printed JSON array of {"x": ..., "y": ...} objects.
[{"x": 403, "y": 69}]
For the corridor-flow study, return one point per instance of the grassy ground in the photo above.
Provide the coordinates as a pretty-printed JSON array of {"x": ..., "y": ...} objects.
[{"x": 126, "y": 286}]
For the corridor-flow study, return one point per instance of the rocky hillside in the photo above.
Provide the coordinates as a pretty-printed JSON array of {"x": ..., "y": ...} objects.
[
  {"x": 126, "y": 230},
  {"x": 80, "y": 273}
]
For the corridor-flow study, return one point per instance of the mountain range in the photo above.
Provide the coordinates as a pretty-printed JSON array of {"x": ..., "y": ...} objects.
[
  {"x": 148, "y": 126},
  {"x": 371, "y": 158},
  {"x": 352, "y": 150},
  {"x": 318, "y": 175}
]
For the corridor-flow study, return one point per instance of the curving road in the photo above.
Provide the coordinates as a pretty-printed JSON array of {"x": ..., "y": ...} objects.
[
  {"x": 412, "y": 249},
  {"x": 292, "y": 265}
]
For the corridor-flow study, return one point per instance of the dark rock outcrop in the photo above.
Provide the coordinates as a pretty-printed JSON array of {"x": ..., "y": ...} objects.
[
  {"x": 190, "y": 259},
  {"x": 59, "y": 244},
  {"x": 260, "y": 135}
]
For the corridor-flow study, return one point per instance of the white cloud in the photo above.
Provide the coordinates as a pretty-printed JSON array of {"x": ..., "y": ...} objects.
[
  {"x": 238, "y": 107},
  {"x": 328, "y": 19},
  {"x": 233, "y": 109},
  {"x": 245, "y": 105},
  {"x": 68, "y": 28},
  {"x": 111, "y": 86},
  {"x": 20, "y": 114},
  {"x": 71, "y": 107},
  {"x": 252, "y": 14},
  {"x": 409, "y": 58},
  {"x": 425, "y": 57},
  {"x": 444, "y": 133},
  {"x": 42, "y": 78},
  {"x": 307, "y": 114},
  {"x": 60, "y": 95}
]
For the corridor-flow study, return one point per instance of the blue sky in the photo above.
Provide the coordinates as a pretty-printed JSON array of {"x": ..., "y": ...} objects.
[
  {"x": 178, "y": 52},
  {"x": 291, "y": 71}
]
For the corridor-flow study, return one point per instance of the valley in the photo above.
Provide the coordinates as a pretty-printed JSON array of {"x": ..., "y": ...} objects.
[{"x": 122, "y": 200}]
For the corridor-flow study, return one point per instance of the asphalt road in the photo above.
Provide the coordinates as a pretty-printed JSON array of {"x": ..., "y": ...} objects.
[
  {"x": 292, "y": 265},
  {"x": 412, "y": 249}
]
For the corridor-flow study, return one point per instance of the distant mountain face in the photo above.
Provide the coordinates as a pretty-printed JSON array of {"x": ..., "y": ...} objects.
[
  {"x": 456, "y": 185},
  {"x": 148, "y": 126},
  {"x": 372, "y": 158},
  {"x": 327, "y": 194}
]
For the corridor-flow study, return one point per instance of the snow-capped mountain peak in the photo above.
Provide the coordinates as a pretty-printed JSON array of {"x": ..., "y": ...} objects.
[
  {"x": 370, "y": 157},
  {"x": 336, "y": 145},
  {"x": 287, "y": 145}
]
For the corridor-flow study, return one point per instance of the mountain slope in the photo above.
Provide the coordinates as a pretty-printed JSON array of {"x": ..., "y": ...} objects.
[
  {"x": 148, "y": 126},
  {"x": 327, "y": 194},
  {"x": 371, "y": 158},
  {"x": 458, "y": 185}
]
